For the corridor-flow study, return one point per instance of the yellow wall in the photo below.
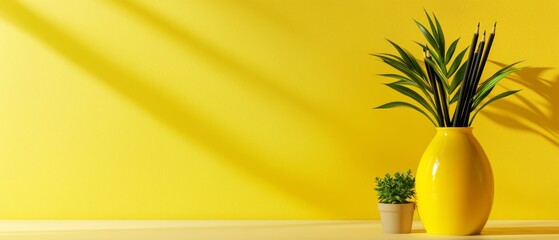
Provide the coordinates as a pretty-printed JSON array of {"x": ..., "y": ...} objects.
[{"x": 249, "y": 109}]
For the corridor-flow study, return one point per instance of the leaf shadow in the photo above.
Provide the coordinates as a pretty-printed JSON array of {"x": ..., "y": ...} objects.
[
  {"x": 338, "y": 127},
  {"x": 220, "y": 58},
  {"x": 524, "y": 114}
]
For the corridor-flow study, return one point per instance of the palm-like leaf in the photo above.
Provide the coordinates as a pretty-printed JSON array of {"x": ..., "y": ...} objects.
[
  {"x": 413, "y": 95},
  {"x": 501, "y": 95},
  {"x": 407, "y": 105},
  {"x": 449, "y": 69},
  {"x": 486, "y": 88},
  {"x": 451, "y": 50}
]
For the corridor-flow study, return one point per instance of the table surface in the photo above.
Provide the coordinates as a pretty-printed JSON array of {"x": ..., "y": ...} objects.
[{"x": 254, "y": 229}]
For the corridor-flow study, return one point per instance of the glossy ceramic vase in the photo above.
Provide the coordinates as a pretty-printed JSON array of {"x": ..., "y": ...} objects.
[{"x": 454, "y": 184}]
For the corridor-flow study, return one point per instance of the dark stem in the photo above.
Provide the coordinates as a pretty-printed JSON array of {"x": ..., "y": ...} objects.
[
  {"x": 443, "y": 101},
  {"x": 431, "y": 75},
  {"x": 472, "y": 87},
  {"x": 465, "y": 82},
  {"x": 482, "y": 65}
]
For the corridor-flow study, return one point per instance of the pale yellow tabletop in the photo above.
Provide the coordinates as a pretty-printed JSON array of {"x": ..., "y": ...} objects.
[{"x": 249, "y": 230}]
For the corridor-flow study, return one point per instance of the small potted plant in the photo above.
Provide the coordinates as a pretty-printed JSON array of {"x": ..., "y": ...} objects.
[{"x": 395, "y": 205}]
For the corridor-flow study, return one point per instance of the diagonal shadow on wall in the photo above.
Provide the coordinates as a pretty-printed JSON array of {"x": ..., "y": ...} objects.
[
  {"x": 524, "y": 114},
  {"x": 248, "y": 74},
  {"x": 174, "y": 114},
  {"x": 341, "y": 130},
  {"x": 271, "y": 14}
]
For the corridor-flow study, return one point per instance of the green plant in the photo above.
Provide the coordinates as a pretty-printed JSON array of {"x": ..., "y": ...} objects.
[
  {"x": 397, "y": 189},
  {"x": 446, "y": 79}
]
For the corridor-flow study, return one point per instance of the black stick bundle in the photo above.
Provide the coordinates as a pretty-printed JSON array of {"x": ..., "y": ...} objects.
[{"x": 474, "y": 69}]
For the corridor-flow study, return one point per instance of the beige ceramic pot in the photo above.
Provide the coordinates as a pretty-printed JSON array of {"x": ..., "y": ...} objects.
[{"x": 396, "y": 218}]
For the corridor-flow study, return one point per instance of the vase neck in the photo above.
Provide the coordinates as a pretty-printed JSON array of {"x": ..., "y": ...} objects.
[{"x": 463, "y": 130}]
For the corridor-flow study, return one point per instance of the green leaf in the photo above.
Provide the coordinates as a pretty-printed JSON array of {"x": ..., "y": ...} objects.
[
  {"x": 489, "y": 84},
  {"x": 458, "y": 78},
  {"x": 423, "y": 46},
  {"x": 454, "y": 98},
  {"x": 433, "y": 28},
  {"x": 456, "y": 63},
  {"x": 451, "y": 50},
  {"x": 408, "y": 58},
  {"x": 437, "y": 71},
  {"x": 403, "y": 56},
  {"x": 440, "y": 38},
  {"x": 401, "y": 78},
  {"x": 404, "y": 82},
  {"x": 400, "y": 66},
  {"x": 502, "y": 95},
  {"x": 424, "y": 86},
  {"x": 390, "y": 57},
  {"x": 390, "y": 75},
  {"x": 405, "y": 104},
  {"x": 508, "y": 66},
  {"x": 412, "y": 94},
  {"x": 502, "y": 70},
  {"x": 427, "y": 35},
  {"x": 440, "y": 64}
]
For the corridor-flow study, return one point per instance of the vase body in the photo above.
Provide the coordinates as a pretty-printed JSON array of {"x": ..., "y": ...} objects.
[{"x": 454, "y": 184}]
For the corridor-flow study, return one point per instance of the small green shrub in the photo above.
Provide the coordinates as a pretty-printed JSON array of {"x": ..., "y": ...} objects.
[{"x": 397, "y": 189}]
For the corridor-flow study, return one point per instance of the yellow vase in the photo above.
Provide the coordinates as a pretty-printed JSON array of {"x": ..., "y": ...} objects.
[{"x": 454, "y": 184}]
